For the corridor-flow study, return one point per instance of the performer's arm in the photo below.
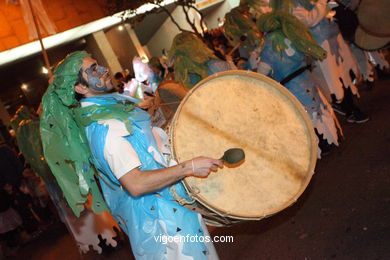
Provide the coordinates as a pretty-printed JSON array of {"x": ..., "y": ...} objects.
[
  {"x": 312, "y": 17},
  {"x": 124, "y": 162},
  {"x": 139, "y": 182}
]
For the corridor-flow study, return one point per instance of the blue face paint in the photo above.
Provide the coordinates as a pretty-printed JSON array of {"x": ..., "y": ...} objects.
[{"x": 94, "y": 75}]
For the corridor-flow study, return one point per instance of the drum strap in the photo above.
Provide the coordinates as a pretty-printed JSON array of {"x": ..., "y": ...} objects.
[
  {"x": 296, "y": 74},
  {"x": 211, "y": 219},
  {"x": 216, "y": 220},
  {"x": 182, "y": 201}
]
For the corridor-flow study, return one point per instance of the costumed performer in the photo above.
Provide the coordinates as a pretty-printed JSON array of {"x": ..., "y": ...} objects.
[
  {"x": 242, "y": 32},
  {"x": 365, "y": 35},
  {"x": 335, "y": 71},
  {"x": 136, "y": 175},
  {"x": 169, "y": 91},
  {"x": 193, "y": 66},
  {"x": 288, "y": 44},
  {"x": 86, "y": 229},
  {"x": 144, "y": 87}
]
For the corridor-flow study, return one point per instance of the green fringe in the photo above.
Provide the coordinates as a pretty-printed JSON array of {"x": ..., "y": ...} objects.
[{"x": 285, "y": 24}]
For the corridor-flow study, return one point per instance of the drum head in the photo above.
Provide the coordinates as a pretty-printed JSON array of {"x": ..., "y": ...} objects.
[
  {"x": 368, "y": 41},
  {"x": 374, "y": 17},
  {"x": 253, "y": 112}
]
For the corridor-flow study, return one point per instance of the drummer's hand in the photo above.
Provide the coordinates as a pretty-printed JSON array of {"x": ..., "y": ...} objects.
[
  {"x": 202, "y": 166},
  {"x": 147, "y": 103}
]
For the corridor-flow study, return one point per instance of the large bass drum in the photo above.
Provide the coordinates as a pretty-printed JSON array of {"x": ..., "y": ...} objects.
[
  {"x": 373, "y": 32},
  {"x": 368, "y": 26},
  {"x": 253, "y": 112}
]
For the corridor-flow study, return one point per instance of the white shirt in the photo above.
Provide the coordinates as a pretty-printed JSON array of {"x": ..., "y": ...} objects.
[
  {"x": 119, "y": 153},
  {"x": 121, "y": 156}
]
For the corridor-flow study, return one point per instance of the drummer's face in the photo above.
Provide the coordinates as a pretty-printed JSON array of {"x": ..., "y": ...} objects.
[{"x": 97, "y": 77}]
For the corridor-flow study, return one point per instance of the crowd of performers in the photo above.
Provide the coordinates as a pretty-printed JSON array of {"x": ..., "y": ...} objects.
[
  {"x": 90, "y": 134},
  {"x": 297, "y": 43}
]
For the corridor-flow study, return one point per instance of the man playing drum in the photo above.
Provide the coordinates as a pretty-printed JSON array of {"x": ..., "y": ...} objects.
[{"x": 135, "y": 171}]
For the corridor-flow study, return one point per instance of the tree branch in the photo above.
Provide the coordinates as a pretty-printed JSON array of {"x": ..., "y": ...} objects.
[
  {"x": 192, "y": 24},
  {"x": 171, "y": 17},
  {"x": 201, "y": 18}
]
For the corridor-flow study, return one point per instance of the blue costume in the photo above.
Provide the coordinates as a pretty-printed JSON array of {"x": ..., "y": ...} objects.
[
  {"x": 302, "y": 86},
  {"x": 334, "y": 71},
  {"x": 149, "y": 216}
]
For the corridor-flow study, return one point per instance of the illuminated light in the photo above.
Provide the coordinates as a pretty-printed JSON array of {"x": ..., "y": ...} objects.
[
  {"x": 120, "y": 27},
  {"x": 147, "y": 7},
  {"x": 42, "y": 159},
  {"x": 44, "y": 70},
  {"x": 24, "y": 87},
  {"x": 20, "y": 96}
]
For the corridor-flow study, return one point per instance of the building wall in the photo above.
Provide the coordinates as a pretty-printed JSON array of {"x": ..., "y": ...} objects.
[
  {"x": 100, "y": 48},
  {"x": 219, "y": 11},
  {"x": 94, "y": 49},
  {"x": 163, "y": 38},
  {"x": 65, "y": 14},
  {"x": 122, "y": 46}
]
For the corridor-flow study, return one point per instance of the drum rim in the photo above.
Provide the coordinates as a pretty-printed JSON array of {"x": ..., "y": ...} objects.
[{"x": 302, "y": 112}]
